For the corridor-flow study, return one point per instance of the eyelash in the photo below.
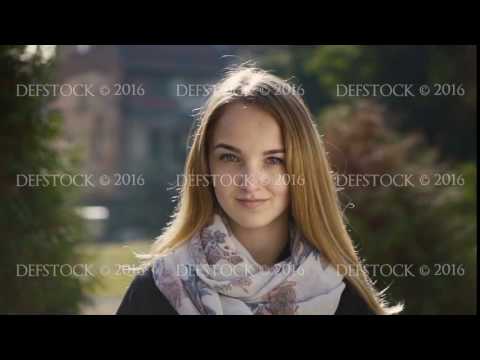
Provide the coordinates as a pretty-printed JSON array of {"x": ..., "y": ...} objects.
[
  {"x": 226, "y": 157},
  {"x": 229, "y": 157},
  {"x": 278, "y": 161}
]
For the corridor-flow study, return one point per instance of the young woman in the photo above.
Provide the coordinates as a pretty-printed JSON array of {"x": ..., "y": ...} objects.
[{"x": 258, "y": 228}]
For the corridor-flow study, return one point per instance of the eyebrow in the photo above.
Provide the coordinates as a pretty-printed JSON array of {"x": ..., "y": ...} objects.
[{"x": 238, "y": 151}]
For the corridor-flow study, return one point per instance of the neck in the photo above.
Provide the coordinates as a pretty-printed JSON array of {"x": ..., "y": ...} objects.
[{"x": 265, "y": 244}]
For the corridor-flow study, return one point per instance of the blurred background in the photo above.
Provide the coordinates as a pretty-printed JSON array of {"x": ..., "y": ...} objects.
[{"x": 137, "y": 135}]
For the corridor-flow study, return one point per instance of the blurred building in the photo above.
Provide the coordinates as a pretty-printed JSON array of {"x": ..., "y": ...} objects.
[{"x": 141, "y": 126}]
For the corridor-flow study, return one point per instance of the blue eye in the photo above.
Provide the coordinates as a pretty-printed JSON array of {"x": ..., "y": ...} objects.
[
  {"x": 229, "y": 158},
  {"x": 274, "y": 160}
]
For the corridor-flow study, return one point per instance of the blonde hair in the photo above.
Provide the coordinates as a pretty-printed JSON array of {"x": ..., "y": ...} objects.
[{"x": 315, "y": 206}]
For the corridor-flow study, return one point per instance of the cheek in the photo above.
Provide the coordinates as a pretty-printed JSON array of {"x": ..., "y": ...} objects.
[
  {"x": 280, "y": 191},
  {"x": 222, "y": 168},
  {"x": 223, "y": 185},
  {"x": 224, "y": 178},
  {"x": 222, "y": 190}
]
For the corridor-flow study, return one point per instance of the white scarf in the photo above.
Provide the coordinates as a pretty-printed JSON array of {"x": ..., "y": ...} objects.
[{"x": 213, "y": 273}]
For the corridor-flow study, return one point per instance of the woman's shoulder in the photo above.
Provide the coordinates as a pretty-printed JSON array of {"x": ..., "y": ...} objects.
[
  {"x": 352, "y": 303},
  {"x": 144, "y": 298}
]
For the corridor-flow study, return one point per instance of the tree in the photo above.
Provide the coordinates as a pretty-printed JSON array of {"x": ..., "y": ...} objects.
[
  {"x": 446, "y": 117},
  {"x": 405, "y": 223},
  {"x": 38, "y": 225}
]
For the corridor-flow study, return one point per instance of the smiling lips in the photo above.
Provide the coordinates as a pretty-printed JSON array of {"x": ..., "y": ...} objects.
[{"x": 252, "y": 203}]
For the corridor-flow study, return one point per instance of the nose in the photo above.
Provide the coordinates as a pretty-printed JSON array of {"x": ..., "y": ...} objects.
[{"x": 252, "y": 179}]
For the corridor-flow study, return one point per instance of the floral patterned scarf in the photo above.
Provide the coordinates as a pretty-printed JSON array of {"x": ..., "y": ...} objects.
[{"x": 214, "y": 273}]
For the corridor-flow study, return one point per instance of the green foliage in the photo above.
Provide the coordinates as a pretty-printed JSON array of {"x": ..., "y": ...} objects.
[
  {"x": 417, "y": 225},
  {"x": 447, "y": 121},
  {"x": 419, "y": 135},
  {"x": 37, "y": 224}
]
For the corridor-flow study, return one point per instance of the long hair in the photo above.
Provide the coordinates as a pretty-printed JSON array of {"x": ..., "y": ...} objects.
[{"x": 315, "y": 206}]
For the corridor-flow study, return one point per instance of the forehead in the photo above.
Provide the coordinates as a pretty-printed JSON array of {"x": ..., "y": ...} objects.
[{"x": 247, "y": 127}]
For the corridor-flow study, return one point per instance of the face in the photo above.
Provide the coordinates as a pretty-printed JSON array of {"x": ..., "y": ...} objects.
[{"x": 247, "y": 159}]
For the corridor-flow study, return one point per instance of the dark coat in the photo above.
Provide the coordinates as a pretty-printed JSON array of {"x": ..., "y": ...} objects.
[{"x": 144, "y": 298}]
